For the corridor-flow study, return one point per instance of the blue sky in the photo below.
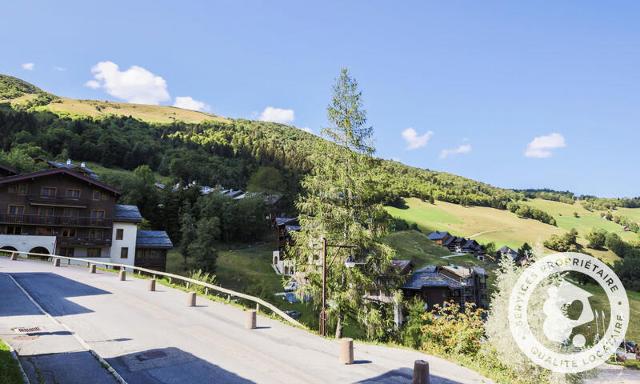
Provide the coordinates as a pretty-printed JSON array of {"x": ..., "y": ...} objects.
[{"x": 517, "y": 95}]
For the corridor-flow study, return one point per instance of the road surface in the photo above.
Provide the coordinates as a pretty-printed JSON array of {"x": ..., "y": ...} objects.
[{"x": 153, "y": 337}]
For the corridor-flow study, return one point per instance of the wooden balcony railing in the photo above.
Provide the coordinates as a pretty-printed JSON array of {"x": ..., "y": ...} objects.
[{"x": 59, "y": 221}]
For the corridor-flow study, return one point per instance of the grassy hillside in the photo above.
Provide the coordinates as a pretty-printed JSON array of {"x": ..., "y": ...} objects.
[
  {"x": 150, "y": 113},
  {"x": 415, "y": 246},
  {"x": 504, "y": 228},
  {"x": 482, "y": 223},
  {"x": 585, "y": 220}
]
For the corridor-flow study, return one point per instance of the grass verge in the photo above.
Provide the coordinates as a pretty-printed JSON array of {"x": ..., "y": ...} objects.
[{"x": 9, "y": 369}]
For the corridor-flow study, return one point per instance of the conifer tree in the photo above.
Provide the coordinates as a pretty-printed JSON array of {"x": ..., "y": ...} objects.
[{"x": 340, "y": 202}]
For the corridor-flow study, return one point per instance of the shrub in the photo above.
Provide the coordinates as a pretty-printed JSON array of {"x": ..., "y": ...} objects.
[{"x": 448, "y": 329}]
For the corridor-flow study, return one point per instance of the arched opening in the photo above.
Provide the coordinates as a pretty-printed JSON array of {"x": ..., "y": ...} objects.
[
  {"x": 6, "y": 250},
  {"x": 41, "y": 250}
]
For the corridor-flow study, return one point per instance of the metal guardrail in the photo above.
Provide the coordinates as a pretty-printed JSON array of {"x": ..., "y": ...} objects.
[{"x": 155, "y": 273}]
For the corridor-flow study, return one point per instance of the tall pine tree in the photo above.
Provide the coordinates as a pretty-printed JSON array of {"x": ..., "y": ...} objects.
[{"x": 340, "y": 202}]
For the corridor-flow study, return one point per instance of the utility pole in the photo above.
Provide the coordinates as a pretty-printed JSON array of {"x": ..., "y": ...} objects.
[{"x": 323, "y": 311}]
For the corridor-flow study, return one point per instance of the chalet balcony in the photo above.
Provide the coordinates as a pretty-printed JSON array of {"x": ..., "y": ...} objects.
[
  {"x": 56, "y": 221},
  {"x": 82, "y": 241},
  {"x": 58, "y": 201}
]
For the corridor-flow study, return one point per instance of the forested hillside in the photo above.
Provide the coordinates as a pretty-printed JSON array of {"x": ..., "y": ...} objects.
[{"x": 211, "y": 151}]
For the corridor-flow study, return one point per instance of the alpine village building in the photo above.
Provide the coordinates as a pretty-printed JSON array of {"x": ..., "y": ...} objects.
[{"x": 66, "y": 210}]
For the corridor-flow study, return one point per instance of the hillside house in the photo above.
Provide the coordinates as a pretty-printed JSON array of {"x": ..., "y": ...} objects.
[
  {"x": 284, "y": 227},
  {"x": 439, "y": 237},
  {"x": 507, "y": 252},
  {"x": 440, "y": 284},
  {"x": 67, "y": 210}
]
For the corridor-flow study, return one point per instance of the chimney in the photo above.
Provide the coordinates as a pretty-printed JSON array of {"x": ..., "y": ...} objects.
[{"x": 68, "y": 161}]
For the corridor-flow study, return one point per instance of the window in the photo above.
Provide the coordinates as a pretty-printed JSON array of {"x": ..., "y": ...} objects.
[
  {"x": 95, "y": 234},
  {"x": 124, "y": 252},
  {"x": 97, "y": 214},
  {"x": 119, "y": 233},
  {"x": 14, "y": 230},
  {"x": 73, "y": 193},
  {"x": 93, "y": 252},
  {"x": 20, "y": 189},
  {"x": 48, "y": 191},
  {"x": 68, "y": 252},
  {"x": 17, "y": 210},
  {"x": 96, "y": 195},
  {"x": 68, "y": 232}
]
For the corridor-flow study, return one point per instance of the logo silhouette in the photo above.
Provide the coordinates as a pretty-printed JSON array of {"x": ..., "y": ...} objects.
[{"x": 558, "y": 326}]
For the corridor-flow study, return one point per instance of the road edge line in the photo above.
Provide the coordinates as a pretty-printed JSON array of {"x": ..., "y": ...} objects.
[{"x": 83, "y": 343}]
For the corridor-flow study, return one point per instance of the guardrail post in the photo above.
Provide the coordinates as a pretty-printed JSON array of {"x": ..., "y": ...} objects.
[
  {"x": 346, "y": 351},
  {"x": 152, "y": 285},
  {"x": 123, "y": 275},
  {"x": 250, "y": 320},
  {"x": 14, "y": 257},
  {"x": 421, "y": 372},
  {"x": 92, "y": 268},
  {"x": 56, "y": 262},
  {"x": 191, "y": 299}
]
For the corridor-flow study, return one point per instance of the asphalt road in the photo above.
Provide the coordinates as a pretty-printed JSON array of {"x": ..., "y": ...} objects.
[{"x": 153, "y": 337}]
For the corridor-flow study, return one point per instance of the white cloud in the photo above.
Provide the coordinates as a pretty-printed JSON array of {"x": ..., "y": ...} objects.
[
  {"x": 307, "y": 129},
  {"x": 187, "y": 102},
  {"x": 541, "y": 147},
  {"x": 461, "y": 149},
  {"x": 59, "y": 69},
  {"x": 28, "y": 66},
  {"x": 93, "y": 84},
  {"x": 415, "y": 141},
  {"x": 277, "y": 115},
  {"x": 135, "y": 85}
]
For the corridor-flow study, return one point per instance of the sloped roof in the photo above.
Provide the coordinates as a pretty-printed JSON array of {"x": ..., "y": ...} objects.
[
  {"x": 506, "y": 249},
  {"x": 285, "y": 220},
  {"x": 153, "y": 239},
  {"x": 429, "y": 277},
  {"x": 126, "y": 213},
  {"x": 57, "y": 171},
  {"x": 437, "y": 235},
  {"x": 9, "y": 169}
]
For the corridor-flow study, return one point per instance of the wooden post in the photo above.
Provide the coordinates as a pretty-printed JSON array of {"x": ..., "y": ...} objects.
[
  {"x": 123, "y": 275},
  {"x": 92, "y": 268},
  {"x": 14, "y": 256},
  {"x": 191, "y": 299},
  {"x": 152, "y": 285},
  {"x": 56, "y": 262},
  {"x": 421, "y": 372},
  {"x": 251, "y": 320},
  {"x": 346, "y": 351}
]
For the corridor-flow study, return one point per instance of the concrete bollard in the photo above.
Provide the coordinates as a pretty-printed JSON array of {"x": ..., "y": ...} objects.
[
  {"x": 250, "y": 321},
  {"x": 123, "y": 275},
  {"x": 191, "y": 299},
  {"x": 346, "y": 351},
  {"x": 14, "y": 256},
  {"x": 421, "y": 372},
  {"x": 56, "y": 262},
  {"x": 92, "y": 268},
  {"x": 152, "y": 285}
]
